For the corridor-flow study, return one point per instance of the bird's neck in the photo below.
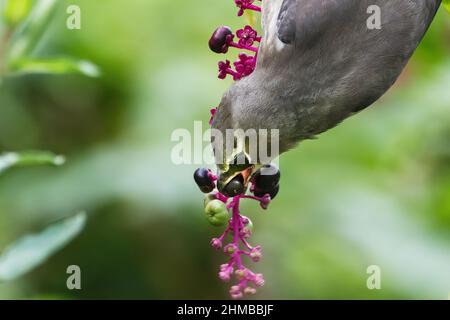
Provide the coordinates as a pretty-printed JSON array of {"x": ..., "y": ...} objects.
[{"x": 264, "y": 104}]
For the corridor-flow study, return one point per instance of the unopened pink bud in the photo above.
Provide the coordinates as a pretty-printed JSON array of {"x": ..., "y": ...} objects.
[
  {"x": 237, "y": 296},
  {"x": 249, "y": 290},
  {"x": 235, "y": 292},
  {"x": 224, "y": 266},
  {"x": 224, "y": 276},
  {"x": 258, "y": 280},
  {"x": 216, "y": 243},
  {"x": 256, "y": 254}
]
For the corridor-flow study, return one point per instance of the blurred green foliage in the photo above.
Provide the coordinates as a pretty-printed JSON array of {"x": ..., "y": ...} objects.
[
  {"x": 16, "y": 11},
  {"x": 32, "y": 250},
  {"x": 375, "y": 190},
  {"x": 446, "y": 4},
  {"x": 30, "y": 158},
  {"x": 26, "y": 22}
]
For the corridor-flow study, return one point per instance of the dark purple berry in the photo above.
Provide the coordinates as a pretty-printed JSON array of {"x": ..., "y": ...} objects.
[
  {"x": 272, "y": 192},
  {"x": 219, "y": 40},
  {"x": 204, "y": 180},
  {"x": 267, "y": 177},
  {"x": 234, "y": 187}
]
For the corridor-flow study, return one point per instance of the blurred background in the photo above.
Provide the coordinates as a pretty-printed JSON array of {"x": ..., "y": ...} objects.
[{"x": 374, "y": 191}]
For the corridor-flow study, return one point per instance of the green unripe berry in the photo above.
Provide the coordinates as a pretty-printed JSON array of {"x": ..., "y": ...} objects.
[
  {"x": 217, "y": 214},
  {"x": 208, "y": 198}
]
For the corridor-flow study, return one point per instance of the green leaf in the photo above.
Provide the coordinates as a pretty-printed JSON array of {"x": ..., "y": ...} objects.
[
  {"x": 33, "y": 250},
  {"x": 54, "y": 66},
  {"x": 31, "y": 158},
  {"x": 446, "y": 4},
  {"x": 16, "y": 11},
  {"x": 27, "y": 38}
]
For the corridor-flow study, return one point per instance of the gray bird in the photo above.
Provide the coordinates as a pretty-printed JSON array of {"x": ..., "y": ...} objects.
[{"x": 319, "y": 64}]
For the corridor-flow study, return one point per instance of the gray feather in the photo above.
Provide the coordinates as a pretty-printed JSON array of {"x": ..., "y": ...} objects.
[
  {"x": 319, "y": 64},
  {"x": 286, "y": 24}
]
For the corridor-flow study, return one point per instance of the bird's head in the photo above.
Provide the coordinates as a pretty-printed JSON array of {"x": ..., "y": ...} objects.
[
  {"x": 234, "y": 165},
  {"x": 241, "y": 142}
]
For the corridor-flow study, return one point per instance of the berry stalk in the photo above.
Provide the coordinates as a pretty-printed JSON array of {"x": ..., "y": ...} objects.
[{"x": 224, "y": 209}]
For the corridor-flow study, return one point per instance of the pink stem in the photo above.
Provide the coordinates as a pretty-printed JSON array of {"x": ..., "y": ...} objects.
[
  {"x": 227, "y": 230},
  {"x": 212, "y": 176},
  {"x": 237, "y": 45},
  {"x": 252, "y": 197},
  {"x": 252, "y": 7},
  {"x": 221, "y": 197},
  {"x": 234, "y": 74},
  {"x": 236, "y": 228},
  {"x": 245, "y": 242}
]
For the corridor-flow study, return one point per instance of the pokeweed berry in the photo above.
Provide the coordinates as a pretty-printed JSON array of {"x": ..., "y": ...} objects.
[
  {"x": 235, "y": 187},
  {"x": 217, "y": 214},
  {"x": 208, "y": 198},
  {"x": 204, "y": 180},
  {"x": 267, "y": 177},
  {"x": 220, "y": 40},
  {"x": 273, "y": 192},
  {"x": 266, "y": 181},
  {"x": 223, "y": 38}
]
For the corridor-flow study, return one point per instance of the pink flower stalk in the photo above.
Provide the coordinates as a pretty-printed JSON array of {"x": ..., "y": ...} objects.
[
  {"x": 222, "y": 40},
  {"x": 238, "y": 229},
  {"x": 246, "y": 5}
]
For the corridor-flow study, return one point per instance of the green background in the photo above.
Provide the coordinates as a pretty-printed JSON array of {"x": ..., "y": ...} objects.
[{"x": 374, "y": 191}]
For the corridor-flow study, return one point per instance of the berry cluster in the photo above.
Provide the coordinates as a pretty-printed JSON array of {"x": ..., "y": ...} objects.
[
  {"x": 223, "y": 38},
  {"x": 247, "y": 38},
  {"x": 223, "y": 210}
]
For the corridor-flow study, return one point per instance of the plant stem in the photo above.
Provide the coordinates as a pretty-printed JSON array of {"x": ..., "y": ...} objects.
[
  {"x": 236, "y": 229},
  {"x": 4, "y": 41}
]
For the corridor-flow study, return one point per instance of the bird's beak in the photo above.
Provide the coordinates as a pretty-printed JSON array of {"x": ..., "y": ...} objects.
[{"x": 232, "y": 170}]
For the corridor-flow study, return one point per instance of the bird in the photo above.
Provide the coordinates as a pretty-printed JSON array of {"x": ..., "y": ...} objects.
[{"x": 318, "y": 64}]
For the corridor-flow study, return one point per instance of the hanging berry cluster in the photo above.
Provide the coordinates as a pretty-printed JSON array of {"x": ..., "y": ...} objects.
[
  {"x": 222, "y": 209},
  {"x": 246, "y": 39}
]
